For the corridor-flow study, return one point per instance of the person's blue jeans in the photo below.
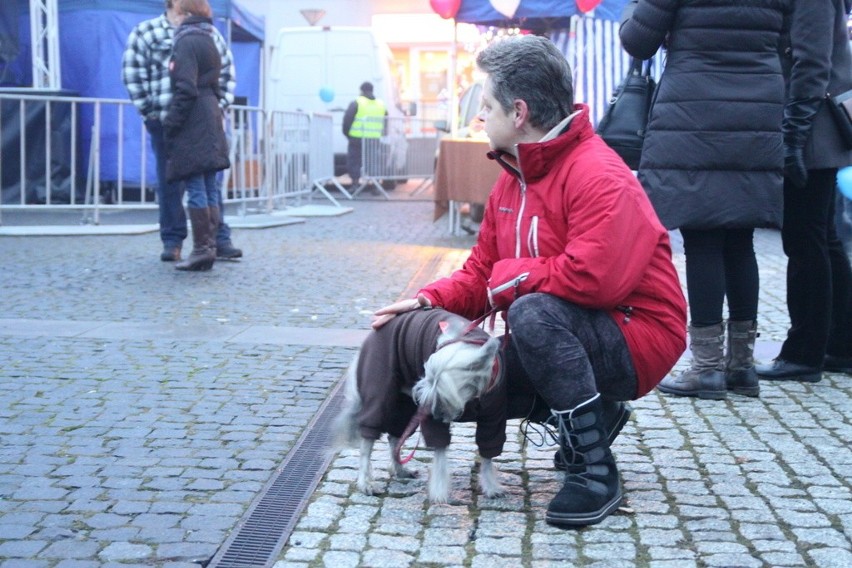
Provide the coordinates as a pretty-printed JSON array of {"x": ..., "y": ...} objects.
[
  {"x": 169, "y": 195},
  {"x": 202, "y": 190},
  {"x": 223, "y": 234},
  {"x": 172, "y": 216}
]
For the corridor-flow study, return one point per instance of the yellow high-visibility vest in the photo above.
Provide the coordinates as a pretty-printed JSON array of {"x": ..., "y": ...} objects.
[{"x": 369, "y": 120}]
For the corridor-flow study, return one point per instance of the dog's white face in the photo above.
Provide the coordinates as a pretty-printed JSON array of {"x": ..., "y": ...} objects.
[{"x": 455, "y": 374}]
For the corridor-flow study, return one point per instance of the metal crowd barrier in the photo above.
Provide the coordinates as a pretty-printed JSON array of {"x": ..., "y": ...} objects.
[
  {"x": 405, "y": 151},
  {"x": 243, "y": 183},
  {"x": 288, "y": 153},
  {"x": 90, "y": 154},
  {"x": 61, "y": 152},
  {"x": 321, "y": 159}
]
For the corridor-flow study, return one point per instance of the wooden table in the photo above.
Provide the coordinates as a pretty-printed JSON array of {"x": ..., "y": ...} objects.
[{"x": 463, "y": 174}]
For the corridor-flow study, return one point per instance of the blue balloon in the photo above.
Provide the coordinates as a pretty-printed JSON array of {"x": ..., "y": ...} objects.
[
  {"x": 326, "y": 94},
  {"x": 844, "y": 181}
]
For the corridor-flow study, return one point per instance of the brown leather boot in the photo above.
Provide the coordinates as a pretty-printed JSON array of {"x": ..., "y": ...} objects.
[
  {"x": 215, "y": 219},
  {"x": 705, "y": 378},
  {"x": 740, "y": 375},
  {"x": 203, "y": 255}
]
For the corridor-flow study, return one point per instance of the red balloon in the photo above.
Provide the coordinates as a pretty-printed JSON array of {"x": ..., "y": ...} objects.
[
  {"x": 446, "y": 8},
  {"x": 587, "y": 5}
]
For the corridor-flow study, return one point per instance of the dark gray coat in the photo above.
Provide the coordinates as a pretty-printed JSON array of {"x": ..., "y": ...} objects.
[
  {"x": 817, "y": 61},
  {"x": 713, "y": 151},
  {"x": 195, "y": 136}
]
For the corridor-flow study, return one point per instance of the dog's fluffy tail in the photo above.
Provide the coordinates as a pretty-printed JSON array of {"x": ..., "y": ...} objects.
[{"x": 345, "y": 427}]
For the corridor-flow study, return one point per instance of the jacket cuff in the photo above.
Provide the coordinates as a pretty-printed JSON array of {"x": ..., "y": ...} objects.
[
  {"x": 433, "y": 302},
  {"x": 502, "y": 294}
]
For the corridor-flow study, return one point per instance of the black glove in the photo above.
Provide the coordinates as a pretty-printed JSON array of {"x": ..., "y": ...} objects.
[{"x": 794, "y": 166}]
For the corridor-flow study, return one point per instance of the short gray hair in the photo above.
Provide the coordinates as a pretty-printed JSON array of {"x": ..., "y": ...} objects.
[{"x": 532, "y": 69}]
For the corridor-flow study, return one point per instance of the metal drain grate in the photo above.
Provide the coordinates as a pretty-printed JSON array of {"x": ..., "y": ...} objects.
[{"x": 272, "y": 517}]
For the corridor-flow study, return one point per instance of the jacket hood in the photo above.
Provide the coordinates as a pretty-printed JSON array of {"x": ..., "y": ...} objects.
[{"x": 536, "y": 158}]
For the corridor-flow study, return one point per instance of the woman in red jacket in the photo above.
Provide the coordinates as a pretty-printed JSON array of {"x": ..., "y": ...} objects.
[{"x": 572, "y": 249}]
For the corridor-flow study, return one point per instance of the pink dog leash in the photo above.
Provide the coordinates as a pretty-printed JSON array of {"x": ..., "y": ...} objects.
[{"x": 415, "y": 421}]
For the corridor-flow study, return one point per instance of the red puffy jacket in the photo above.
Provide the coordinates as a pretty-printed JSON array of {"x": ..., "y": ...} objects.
[{"x": 568, "y": 218}]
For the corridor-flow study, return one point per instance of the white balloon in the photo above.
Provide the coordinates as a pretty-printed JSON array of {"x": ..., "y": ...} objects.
[{"x": 506, "y": 7}]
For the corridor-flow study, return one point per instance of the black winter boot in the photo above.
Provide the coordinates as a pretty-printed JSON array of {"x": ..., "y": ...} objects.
[
  {"x": 615, "y": 416},
  {"x": 740, "y": 375},
  {"x": 203, "y": 255},
  {"x": 592, "y": 490}
]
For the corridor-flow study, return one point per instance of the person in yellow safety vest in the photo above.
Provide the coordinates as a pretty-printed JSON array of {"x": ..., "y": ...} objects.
[{"x": 363, "y": 119}]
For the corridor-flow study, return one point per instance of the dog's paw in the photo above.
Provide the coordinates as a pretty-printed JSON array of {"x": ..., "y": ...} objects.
[
  {"x": 439, "y": 488},
  {"x": 489, "y": 482},
  {"x": 400, "y": 472},
  {"x": 439, "y": 497},
  {"x": 366, "y": 487},
  {"x": 494, "y": 492}
]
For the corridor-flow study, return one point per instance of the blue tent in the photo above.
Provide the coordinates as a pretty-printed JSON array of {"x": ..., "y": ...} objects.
[
  {"x": 535, "y": 15},
  {"x": 92, "y": 37},
  {"x": 92, "y": 34}
]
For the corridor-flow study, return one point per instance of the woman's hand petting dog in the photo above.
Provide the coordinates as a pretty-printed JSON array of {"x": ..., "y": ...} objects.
[{"x": 384, "y": 315}]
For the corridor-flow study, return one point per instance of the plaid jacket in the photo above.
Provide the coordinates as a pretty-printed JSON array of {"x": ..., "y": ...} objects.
[{"x": 145, "y": 67}]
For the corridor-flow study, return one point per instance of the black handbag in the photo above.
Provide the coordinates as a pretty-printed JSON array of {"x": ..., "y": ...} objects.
[
  {"x": 841, "y": 108},
  {"x": 626, "y": 118}
]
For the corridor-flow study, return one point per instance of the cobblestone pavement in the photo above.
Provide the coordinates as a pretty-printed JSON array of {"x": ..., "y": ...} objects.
[{"x": 142, "y": 410}]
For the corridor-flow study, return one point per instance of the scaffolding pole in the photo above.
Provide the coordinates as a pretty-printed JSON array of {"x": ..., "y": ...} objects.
[{"x": 44, "y": 31}]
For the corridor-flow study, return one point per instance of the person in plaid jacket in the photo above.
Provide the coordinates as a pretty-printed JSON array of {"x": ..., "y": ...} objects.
[{"x": 145, "y": 71}]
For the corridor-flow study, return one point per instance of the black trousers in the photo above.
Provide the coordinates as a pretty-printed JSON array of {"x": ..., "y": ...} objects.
[
  {"x": 353, "y": 159},
  {"x": 819, "y": 277},
  {"x": 720, "y": 263}
]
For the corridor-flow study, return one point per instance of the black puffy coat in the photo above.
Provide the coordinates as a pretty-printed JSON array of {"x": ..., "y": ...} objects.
[
  {"x": 195, "y": 136},
  {"x": 817, "y": 61},
  {"x": 713, "y": 151}
]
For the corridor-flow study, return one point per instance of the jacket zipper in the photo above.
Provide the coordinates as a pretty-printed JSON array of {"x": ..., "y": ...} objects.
[
  {"x": 523, "y": 183},
  {"x": 532, "y": 238}
]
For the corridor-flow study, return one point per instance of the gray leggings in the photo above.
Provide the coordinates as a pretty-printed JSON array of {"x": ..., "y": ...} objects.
[{"x": 566, "y": 353}]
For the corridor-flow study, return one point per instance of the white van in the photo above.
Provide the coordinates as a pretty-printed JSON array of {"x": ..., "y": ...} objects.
[{"x": 319, "y": 69}]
